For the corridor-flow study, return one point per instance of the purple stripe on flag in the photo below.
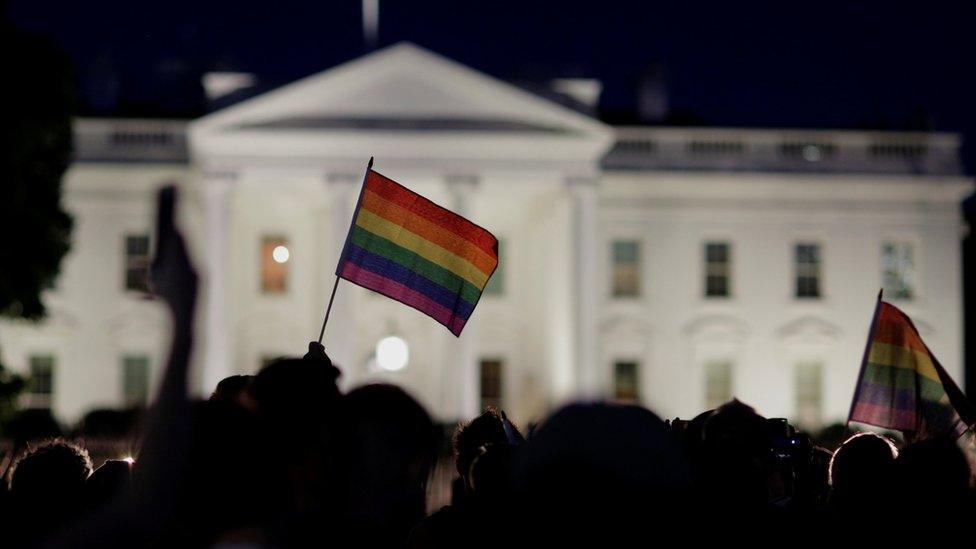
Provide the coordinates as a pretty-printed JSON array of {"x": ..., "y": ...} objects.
[
  {"x": 449, "y": 299},
  {"x": 885, "y": 395},
  {"x": 399, "y": 292}
]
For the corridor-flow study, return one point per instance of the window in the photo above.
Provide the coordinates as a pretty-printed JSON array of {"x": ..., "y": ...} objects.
[
  {"x": 137, "y": 262},
  {"x": 718, "y": 269},
  {"x": 625, "y": 382},
  {"x": 626, "y": 268},
  {"x": 718, "y": 383},
  {"x": 274, "y": 264},
  {"x": 898, "y": 264},
  {"x": 135, "y": 381},
  {"x": 491, "y": 383},
  {"x": 41, "y": 381},
  {"x": 496, "y": 284},
  {"x": 809, "y": 395},
  {"x": 807, "y": 270}
]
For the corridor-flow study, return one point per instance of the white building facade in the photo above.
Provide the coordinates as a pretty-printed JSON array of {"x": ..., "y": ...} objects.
[{"x": 672, "y": 267}]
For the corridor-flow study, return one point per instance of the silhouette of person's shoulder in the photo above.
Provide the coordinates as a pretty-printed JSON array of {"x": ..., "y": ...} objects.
[{"x": 442, "y": 528}]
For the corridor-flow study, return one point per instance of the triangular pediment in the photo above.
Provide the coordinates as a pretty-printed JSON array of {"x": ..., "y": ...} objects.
[{"x": 401, "y": 88}]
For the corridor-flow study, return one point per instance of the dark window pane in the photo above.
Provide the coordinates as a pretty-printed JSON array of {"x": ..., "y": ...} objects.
[
  {"x": 135, "y": 381},
  {"x": 626, "y": 268},
  {"x": 491, "y": 383},
  {"x": 137, "y": 258},
  {"x": 41, "y": 381},
  {"x": 717, "y": 286},
  {"x": 717, "y": 252},
  {"x": 625, "y": 381},
  {"x": 807, "y": 270}
]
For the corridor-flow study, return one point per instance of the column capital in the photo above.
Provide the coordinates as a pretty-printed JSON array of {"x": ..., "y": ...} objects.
[
  {"x": 582, "y": 181},
  {"x": 342, "y": 178},
  {"x": 463, "y": 182},
  {"x": 221, "y": 173}
]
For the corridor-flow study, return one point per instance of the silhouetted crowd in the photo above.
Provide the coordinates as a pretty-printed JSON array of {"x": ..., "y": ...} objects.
[{"x": 284, "y": 459}]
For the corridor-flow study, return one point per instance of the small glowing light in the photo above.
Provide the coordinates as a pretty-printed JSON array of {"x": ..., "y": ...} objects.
[
  {"x": 280, "y": 254},
  {"x": 129, "y": 459},
  {"x": 392, "y": 353},
  {"x": 812, "y": 153}
]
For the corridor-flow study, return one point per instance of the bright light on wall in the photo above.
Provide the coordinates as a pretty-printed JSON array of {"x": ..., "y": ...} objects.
[
  {"x": 280, "y": 254},
  {"x": 392, "y": 353}
]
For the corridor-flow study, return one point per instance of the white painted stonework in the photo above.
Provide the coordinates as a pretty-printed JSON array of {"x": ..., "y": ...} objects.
[{"x": 557, "y": 187}]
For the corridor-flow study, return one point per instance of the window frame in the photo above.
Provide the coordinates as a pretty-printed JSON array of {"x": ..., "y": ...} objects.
[
  {"x": 497, "y": 286},
  {"x": 913, "y": 246},
  {"x": 637, "y": 264},
  {"x": 817, "y": 268},
  {"x": 45, "y": 399},
  {"x": 499, "y": 379},
  {"x": 615, "y": 365},
  {"x": 266, "y": 264},
  {"x": 128, "y": 261},
  {"x": 798, "y": 393},
  {"x": 729, "y": 366},
  {"x": 126, "y": 360},
  {"x": 708, "y": 268}
]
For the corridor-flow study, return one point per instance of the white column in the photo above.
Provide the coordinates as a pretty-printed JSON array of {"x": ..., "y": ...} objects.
[
  {"x": 466, "y": 366},
  {"x": 339, "y": 339},
  {"x": 586, "y": 286},
  {"x": 219, "y": 352}
]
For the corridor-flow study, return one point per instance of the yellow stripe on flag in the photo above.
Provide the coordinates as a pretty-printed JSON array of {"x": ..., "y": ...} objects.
[
  {"x": 903, "y": 357},
  {"x": 421, "y": 246}
]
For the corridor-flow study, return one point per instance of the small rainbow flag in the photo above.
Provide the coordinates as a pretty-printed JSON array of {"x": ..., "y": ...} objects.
[
  {"x": 902, "y": 386},
  {"x": 409, "y": 249}
]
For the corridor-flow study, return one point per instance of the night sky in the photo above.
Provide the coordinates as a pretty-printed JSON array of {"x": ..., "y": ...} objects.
[{"x": 827, "y": 64}]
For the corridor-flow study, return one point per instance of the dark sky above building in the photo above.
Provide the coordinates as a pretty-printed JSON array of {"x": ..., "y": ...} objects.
[{"x": 827, "y": 64}]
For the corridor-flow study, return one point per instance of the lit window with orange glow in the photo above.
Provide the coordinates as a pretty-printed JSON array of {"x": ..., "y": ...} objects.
[{"x": 275, "y": 257}]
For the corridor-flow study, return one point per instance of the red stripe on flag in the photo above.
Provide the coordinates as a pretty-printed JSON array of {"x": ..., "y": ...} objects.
[
  {"x": 394, "y": 192},
  {"x": 894, "y": 328},
  {"x": 884, "y": 416}
]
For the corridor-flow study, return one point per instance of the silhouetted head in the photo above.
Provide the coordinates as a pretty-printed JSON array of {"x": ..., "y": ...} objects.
[
  {"x": 108, "y": 482},
  {"x": 47, "y": 484},
  {"x": 733, "y": 461},
  {"x": 389, "y": 452},
  {"x": 298, "y": 397},
  {"x": 933, "y": 478},
  {"x": 491, "y": 427},
  {"x": 600, "y": 471},
  {"x": 233, "y": 480},
  {"x": 231, "y": 388},
  {"x": 490, "y": 476},
  {"x": 31, "y": 425},
  {"x": 861, "y": 472}
]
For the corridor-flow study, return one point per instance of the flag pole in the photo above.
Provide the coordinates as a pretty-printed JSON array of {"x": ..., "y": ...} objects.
[
  {"x": 867, "y": 348},
  {"x": 329, "y": 308},
  {"x": 352, "y": 223}
]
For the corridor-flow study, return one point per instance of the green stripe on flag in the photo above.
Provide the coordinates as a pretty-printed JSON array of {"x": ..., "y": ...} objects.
[
  {"x": 410, "y": 260},
  {"x": 903, "y": 378}
]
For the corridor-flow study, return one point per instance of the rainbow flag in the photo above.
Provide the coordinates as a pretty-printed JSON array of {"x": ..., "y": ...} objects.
[
  {"x": 902, "y": 386},
  {"x": 409, "y": 249}
]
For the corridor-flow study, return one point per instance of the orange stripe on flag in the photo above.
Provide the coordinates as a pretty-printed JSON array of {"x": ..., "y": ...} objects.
[
  {"x": 903, "y": 357},
  {"x": 394, "y": 192},
  {"x": 424, "y": 228}
]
